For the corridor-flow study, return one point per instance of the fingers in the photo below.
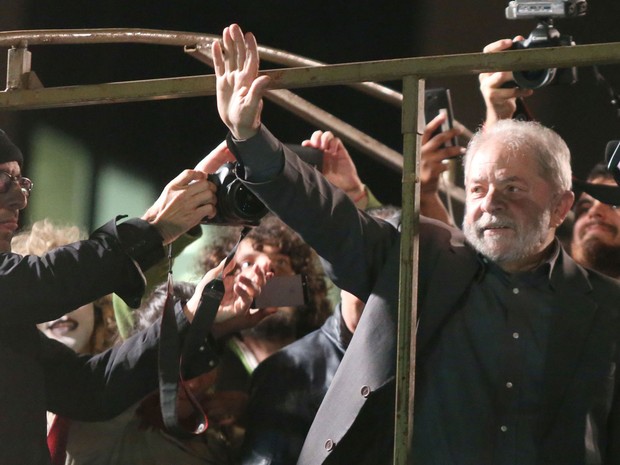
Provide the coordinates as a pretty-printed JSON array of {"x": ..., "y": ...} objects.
[
  {"x": 432, "y": 126},
  {"x": 250, "y": 53},
  {"x": 494, "y": 80},
  {"x": 248, "y": 285},
  {"x": 229, "y": 48},
  {"x": 498, "y": 45},
  {"x": 218, "y": 58},
  {"x": 323, "y": 140},
  {"x": 239, "y": 49},
  {"x": 431, "y": 143},
  {"x": 216, "y": 158}
]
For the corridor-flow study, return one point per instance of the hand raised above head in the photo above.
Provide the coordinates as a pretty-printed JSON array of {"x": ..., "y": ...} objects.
[
  {"x": 239, "y": 88},
  {"x": 338, "y": 166},
  {"x": 500, "y": 101}
]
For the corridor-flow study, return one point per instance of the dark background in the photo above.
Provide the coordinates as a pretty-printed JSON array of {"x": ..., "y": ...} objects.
[{"x": 160, "y": 138}]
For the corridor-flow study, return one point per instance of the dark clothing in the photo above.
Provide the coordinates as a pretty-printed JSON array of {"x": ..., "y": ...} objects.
[
  {"x": 570, "y": 414},
  {"x": 38, "y": 374},
  {"x": 286, "y": 392}
]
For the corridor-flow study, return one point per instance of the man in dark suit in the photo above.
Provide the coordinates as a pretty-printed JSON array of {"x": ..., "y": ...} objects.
[
  {"x": 517, "y": 344},
  {"x": 38, "y": 374}
]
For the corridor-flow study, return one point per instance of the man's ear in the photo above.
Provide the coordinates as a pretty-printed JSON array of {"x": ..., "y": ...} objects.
[{"x": 561, "y": 208}]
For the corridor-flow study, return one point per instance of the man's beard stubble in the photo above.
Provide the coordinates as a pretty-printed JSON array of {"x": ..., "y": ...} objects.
[
  {"x": 601, "y": 257},
  {"x": 279, "y": 326},
  {"x": 526, "y": 242}
]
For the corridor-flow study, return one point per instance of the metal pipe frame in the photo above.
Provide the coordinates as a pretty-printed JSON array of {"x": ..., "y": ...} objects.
[{"x": 412, "y": 72}]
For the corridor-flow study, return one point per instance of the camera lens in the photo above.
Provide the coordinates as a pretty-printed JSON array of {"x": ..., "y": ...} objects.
[
  {"x": 534, "y": 79},
  {"x": 245, "y": 203}
]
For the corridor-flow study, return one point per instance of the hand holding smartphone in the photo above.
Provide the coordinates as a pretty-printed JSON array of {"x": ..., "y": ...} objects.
[{"x": 438, "y": 101}]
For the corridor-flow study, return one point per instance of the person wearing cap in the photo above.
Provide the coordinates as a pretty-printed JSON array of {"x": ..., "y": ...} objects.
[
  {"x": 38, "y": 374},
  {"x": 595, "y": 240},
  {"x": 517, "y": 345}
]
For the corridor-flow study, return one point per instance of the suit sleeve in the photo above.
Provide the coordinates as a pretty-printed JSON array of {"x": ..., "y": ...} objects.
[
  {"x": 354, "y": 244},
  {"x": 100, "y": 387},
  {"x": 45, "y": 288}
]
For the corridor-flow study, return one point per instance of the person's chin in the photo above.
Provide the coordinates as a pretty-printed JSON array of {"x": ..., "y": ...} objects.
[{"x": 601, "y": 234}]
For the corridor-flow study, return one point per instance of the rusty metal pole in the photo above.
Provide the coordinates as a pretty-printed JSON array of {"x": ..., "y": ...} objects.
[{"x": 412, "y": 127}]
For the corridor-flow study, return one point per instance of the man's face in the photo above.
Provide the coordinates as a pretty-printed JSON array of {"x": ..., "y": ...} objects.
[
  {"x": 247, "y": 255},
  {"x": 510, "y": 208},
  {"x": 280, "y": 325},
  {"x": 596, "y": 233},
  {"x": 11, "y": 203}
]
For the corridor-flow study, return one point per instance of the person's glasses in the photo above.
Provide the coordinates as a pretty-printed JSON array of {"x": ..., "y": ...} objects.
[{"x": 6, "y": 180}]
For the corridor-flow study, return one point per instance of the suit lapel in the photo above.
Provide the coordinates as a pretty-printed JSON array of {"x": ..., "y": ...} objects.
[
  {"x": 569, "y": 331},
  {"x": 449, "y": 280}
]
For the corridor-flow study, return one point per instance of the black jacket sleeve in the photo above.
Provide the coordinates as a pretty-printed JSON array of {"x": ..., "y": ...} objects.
[{"x": 44, "y": 288}]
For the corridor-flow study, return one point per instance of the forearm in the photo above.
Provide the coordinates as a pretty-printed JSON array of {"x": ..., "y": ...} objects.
[
  {"x": 432, "y": 207},
  {"x": 44, "y": 288},
  {"x": 324, "y": 216},
  {"x": 102, "y": 386}
]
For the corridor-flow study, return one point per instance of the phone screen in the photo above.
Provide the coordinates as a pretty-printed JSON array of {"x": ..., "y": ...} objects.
[
  {"x": 438, "y": 101},
  {"x": 282, "y": 291}
]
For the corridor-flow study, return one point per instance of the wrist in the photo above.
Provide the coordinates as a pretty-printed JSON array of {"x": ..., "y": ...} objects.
[
  {"x": 358, "y": 195},
  {"x": 244, "y": 132}
]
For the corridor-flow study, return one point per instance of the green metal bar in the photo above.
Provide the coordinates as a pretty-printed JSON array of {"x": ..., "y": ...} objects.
[
  {"x": 413, "y": 106},
  {"x": 384, "y": 70}
]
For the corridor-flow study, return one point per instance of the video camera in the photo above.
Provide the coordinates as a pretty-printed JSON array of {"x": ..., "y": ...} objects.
[
  {"x": 545, "y": 35},
  {"x": 236, "y": 204}
]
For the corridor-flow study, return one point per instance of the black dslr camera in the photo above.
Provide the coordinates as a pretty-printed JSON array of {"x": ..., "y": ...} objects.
[
  {"x": 236, "y": 204},
  {"x": 545, "y": 35}
]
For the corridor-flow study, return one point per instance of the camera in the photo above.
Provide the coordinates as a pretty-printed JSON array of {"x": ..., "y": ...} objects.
[
  {"x": 528, "y": 9},
  {"x": 545, "y": 35},
  {"x": 236, "y": 204}
]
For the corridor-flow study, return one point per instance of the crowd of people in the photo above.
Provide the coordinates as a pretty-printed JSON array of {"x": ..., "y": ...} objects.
[{"x": 518, "y": 333}]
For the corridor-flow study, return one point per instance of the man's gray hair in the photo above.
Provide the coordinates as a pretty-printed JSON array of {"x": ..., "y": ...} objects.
[{"x": 528, "y": 137}]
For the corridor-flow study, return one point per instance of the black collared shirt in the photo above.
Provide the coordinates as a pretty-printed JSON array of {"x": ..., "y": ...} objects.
[{"x": 484, "y": 377}]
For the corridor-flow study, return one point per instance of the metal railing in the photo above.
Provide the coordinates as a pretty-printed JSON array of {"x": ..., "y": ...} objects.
[{"x": 24, "y": 92}]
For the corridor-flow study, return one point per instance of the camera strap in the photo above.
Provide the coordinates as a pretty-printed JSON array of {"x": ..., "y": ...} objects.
[{"x": 175, "y": 362}]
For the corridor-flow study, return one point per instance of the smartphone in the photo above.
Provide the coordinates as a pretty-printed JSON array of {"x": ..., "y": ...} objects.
[
  {"x": 283, "y": 291},
  {"x": 438, "y": 101}
]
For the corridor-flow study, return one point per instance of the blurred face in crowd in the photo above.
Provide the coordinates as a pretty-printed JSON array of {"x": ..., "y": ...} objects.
[
  {"x": 596, "y": 233},
  {"x": 11, "y": 202},
  {"x": 73, "y": 329},
  {"x": 511, "y": 211},
  {"x": 280, "y": 264},
  {"x": 247, "y": 255}
]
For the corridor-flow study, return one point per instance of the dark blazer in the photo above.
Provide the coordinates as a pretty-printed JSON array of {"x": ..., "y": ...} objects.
[
  {"x": 580, "y": 423},
  {"x": 38, "y": 374},
  {"x": 286, "y": 391}
]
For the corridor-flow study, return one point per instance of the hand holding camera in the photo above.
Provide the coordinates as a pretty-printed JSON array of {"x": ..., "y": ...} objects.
[
  {"x": 499, "y": 97},
  {"x": 545, "y": 35}
]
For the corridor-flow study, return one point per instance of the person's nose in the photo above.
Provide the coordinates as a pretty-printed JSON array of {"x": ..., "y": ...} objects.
[
  {"x": 599, "y": 209},
  {"x": 17, "y": 198},
  {"x": 492, "y": 201},
  {"x": 265, "y": 263}
]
